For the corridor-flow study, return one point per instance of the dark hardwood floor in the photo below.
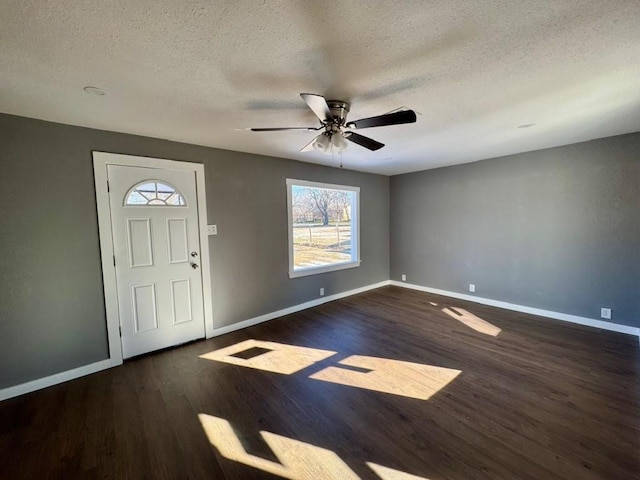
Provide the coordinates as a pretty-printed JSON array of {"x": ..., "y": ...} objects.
[{"x": 543, "y": 400}]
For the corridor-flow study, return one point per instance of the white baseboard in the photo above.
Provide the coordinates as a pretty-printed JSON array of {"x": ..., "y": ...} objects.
[
  {"x": 296, "y": 308},
  {"x": 51, "y": 380},
  {"x": 61, "y": 377},
  {"x": 565, "y": 317}
]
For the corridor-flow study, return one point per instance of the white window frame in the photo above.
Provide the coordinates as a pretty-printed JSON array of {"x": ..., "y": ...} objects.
[{"x": 355, "y": 229}]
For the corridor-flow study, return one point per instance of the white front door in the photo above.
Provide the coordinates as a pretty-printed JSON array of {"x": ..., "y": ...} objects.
[{"x": 154, "y": 218}]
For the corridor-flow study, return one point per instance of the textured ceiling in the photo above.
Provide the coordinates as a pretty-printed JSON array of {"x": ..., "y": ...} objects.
[{"x": 203, "y": 71}]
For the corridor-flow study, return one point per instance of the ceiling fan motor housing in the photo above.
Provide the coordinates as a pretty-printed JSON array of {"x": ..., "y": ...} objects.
[{"x": 339, "y": 110}]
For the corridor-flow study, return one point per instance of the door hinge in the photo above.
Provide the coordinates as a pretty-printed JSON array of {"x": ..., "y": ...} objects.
[
  {"x": 120, "y": 330},
  {"x": 108, "y": 189},
  {"x": 114, "y": 260}
]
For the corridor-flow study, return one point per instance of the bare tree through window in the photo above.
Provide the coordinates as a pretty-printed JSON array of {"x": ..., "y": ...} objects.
[{"x": 321, "y": 226}]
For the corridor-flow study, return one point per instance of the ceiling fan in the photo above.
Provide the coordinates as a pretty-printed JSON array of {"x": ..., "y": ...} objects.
[{"x": 333, "y": 120}]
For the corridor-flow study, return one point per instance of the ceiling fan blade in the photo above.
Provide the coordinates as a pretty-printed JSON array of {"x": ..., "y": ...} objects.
[
  {"x": 363, "y": 141},
  {"x": 318, "y": 104},
  {"x": 277, "y": 129},
  {"x": 309, "y": 146},
  {"x": 396, "y": 118}
]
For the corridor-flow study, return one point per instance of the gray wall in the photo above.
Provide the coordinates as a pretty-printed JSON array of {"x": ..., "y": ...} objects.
[
  {"x": 52, "y": 315},
  {"x": 555, "y": 229}
]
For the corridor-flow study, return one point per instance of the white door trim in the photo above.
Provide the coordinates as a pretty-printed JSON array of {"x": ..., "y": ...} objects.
[{"x": 100, "y": 162}]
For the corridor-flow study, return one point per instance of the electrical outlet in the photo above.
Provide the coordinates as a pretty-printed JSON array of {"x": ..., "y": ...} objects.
[
  {"x": 605, "y": 313},
  {"x": 404, "y": 277},
  {"x": 322, "y": 292},
  {"x": 472, "y": 287},
  {"x": 212, "y": 229}
]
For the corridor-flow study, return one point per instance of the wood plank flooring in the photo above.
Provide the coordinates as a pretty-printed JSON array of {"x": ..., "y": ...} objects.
[{"x": 542, "y": 400}]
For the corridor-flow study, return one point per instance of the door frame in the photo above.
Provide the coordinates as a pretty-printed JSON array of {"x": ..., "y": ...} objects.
[{"x": 100, "y": 162}]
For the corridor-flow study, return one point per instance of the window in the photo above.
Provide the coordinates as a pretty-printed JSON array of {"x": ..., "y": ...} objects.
[
  {"x": 154, "y": 193},
  {"x": 323, "y": 227}
]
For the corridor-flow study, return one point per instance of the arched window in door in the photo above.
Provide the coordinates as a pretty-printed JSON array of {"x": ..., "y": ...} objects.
[{"x": 154, "y": 193}]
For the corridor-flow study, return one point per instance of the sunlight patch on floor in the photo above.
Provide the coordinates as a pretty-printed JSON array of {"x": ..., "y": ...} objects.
[
  {"x": 472, "y": 321},
  {"x": 296, "y": 460},
  {"x": 383, "y": 375},
  {"x": 280, "y": 358},
  {"x": 386, "y": 473},
  {"x": 390, "y": 376}
]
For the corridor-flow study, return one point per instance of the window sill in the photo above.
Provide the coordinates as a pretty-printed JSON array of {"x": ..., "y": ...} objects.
[{"x": 303, "y": 272}]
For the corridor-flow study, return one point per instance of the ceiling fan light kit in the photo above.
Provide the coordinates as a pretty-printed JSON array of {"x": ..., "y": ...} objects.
[
  {"x": 338, "y": 142},
  {"x": 333, "y": 119},
  {"x": 329, "y": 143},
  {"x": 322, "y": 143}
]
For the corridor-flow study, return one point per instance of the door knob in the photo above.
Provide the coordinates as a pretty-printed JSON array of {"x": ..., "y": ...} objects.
[
  {"x": 194, "y": 265},
  {"x": 194, "y": 254}
]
